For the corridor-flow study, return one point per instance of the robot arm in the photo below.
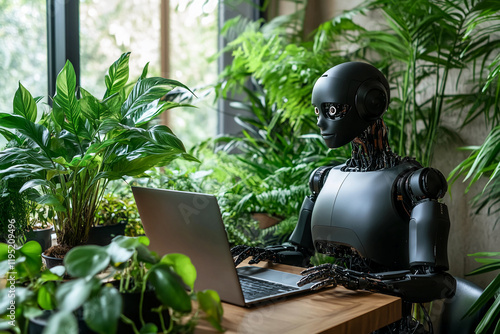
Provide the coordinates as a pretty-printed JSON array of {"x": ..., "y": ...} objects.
[
  {"x": 299, "y": 248},
  {"x": 425, "y": 279},
  {"x": 296, "y": 252}
]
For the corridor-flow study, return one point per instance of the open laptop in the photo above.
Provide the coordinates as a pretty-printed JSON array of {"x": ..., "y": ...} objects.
[{"x": 191, "y": 224}]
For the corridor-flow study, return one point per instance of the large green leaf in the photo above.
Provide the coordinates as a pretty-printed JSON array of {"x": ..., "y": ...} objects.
[
  {"x": 73, "y": 294},
  {"x": 144, "y": 92},
  {"x": 46, "y": 296},
  {"x": 36, "y": 132},
  {"x": 183, "y": 266},
  {"x": 29, "y": 260},
  {"x": 210, "y": 303},
  {"x": 61, "y": 322},
  {"x": 86, "y": 261},
  {"x": 24, "y": 104},
  {"x": 101, "y": 312},
  {"x": 169, "y": 288},
  {"x": 65, "y": 98},
  {"x": 117, "y": 75}
]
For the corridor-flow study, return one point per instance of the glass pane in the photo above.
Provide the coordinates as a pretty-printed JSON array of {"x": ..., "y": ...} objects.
[
  {"x": 193, "y": 41},
  {"x": 23, "y": 50},
  {"x": 112, "y": 27},
  {"x": 109, "y": 28}
]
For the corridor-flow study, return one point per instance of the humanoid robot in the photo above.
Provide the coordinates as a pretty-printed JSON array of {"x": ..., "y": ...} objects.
[{"x": 379, "y": 215}]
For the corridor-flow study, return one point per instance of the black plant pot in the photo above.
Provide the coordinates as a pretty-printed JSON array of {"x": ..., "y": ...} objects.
[
  {"x": 51, "y": 262},
  {"x": 131, "y": 302},
  {"x": 43, "y": 237},
  {"x": 102, "y": 235}
]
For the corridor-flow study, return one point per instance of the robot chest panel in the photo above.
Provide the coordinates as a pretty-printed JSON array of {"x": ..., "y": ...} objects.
[{"x": 357, "y": 209}]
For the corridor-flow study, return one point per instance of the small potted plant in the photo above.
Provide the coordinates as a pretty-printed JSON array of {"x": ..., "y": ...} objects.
[
  {"x": 112, "y": 218},
  {"x": 97, "y": 294},
  {"x": 73, "y": 150}
]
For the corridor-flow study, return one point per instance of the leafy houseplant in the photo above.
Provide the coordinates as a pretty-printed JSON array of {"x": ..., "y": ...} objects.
[
  {"x": 14, "y": 208},
  {"x": 492, "y": 292},
  {"x": 98, "y": 301},
  {"x": 73, "y": 150}
]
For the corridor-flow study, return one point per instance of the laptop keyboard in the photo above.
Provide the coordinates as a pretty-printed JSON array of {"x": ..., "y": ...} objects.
[{"x": 256, "y": 288}]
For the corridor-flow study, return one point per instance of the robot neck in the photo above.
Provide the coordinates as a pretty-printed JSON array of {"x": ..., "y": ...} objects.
[{"x": 371, "y": 150}]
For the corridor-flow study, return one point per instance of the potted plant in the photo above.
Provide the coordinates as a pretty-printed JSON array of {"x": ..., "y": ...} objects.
[
  {"x": 102, "y": 278},
  {"x": 14, "y": 209},
  {"x": 74, "y": 149},
  {"x": 112, "y": 218}
]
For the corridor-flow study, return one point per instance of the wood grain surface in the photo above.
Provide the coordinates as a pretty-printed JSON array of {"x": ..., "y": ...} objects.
[{"x": 333, "y": 310}]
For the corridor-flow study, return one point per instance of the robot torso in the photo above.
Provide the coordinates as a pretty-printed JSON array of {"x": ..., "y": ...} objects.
[{"x": 364, "y": 210}]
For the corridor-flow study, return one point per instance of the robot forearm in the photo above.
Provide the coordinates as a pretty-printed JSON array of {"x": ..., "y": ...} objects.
[
  {"x": 428, "y": 235},
  {"x": 416, "y": 288}
]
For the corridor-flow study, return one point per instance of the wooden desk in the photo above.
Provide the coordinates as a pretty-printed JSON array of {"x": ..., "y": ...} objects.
[{"x": 335, "y": 310}]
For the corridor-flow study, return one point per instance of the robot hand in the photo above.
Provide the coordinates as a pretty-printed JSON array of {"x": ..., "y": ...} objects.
[
  {"x": 331, "y": 274},
  {"x": 241, "y": 252}
]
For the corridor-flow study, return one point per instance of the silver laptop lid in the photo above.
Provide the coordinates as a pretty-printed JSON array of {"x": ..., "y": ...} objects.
[{"x": 191, "y": 224}]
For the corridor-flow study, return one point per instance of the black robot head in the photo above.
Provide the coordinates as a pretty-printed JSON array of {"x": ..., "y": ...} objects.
[{"x": 347, "y": 99}]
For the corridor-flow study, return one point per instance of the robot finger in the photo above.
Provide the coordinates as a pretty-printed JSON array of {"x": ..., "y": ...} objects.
[
  {"x": 237, "y": 250},
  {"x": 324, "y": 266},
  {"x": 327, "y": 282},
  {"x": 242, "y": 255},
  {"x": 315, "y": 276}
]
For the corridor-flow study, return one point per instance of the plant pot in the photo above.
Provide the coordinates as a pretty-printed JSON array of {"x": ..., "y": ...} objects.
[
  {"x": 42, "y": 236},
  {"x": 37, "y": 325},
  {"x": 103, "y": 234},
  {"x": 51, "y": 262},
  {"x": 266, "y": 220},
  {"x": 131, "y": 302}
]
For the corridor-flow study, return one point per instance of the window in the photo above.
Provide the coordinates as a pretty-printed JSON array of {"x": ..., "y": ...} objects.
[
  {"x": 23, "y": 49},
  {"x": 176, "y": 37}
]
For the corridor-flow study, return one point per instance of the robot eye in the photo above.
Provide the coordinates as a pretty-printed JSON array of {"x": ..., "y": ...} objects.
[
  {"x": 332, "y": 111},
  {"x": 335, "y": 110},
  {"x": 316, "y": 111}
]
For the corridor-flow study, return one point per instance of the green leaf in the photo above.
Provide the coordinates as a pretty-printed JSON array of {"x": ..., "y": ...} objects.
[
  {"x": 117, "y": 75},
  {"x": 72, "y": 294},
  {"x": 210, "y": 303},
  {"x": 65, "y": 98},
  {"x": 101, "y": 312},
  {"x": 32, "y": 264},
  {"x": 46, "y": 296},
  {"x": 149, "y": 328},
  {"x": 61, "y": 322},
  {"x": 86, "y": 261},
  {"x": 145, "y": 92},
  {"x": 183, "y": 266},
  {"x": 169, "y": 288},
  {"x": 36, "y": 132},
  {"x": 485, "y": 296},
  {"x": 24, "y": 104},
  {"x": 490, "y": 318},
  {"x": 119, "y": 254}
]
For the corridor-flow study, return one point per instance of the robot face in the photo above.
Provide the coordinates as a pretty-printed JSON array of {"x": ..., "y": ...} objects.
[
  {"x": 347, "y": 98},
  {"x": 339, "y": 123}
]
